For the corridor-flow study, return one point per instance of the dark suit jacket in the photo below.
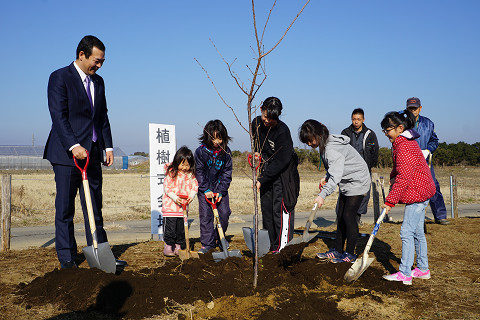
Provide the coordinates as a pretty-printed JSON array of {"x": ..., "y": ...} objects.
[{"x": 72, "y": 118}]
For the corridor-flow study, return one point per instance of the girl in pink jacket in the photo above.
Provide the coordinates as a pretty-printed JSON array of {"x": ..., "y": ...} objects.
[
  {"x": 411, "y": 184},
  {"x": 180, "y": 187}
]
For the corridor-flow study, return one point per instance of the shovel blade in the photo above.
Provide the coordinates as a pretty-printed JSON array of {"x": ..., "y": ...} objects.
[
  {"x": 217, "y": 256},
  {"x": 185, "y": 254},
  {"x": 101, "y": 258},
  {"x": 306, "y": 237},
  {"x": 358, "y": 268},
  {"x": 263, "y": 240}
]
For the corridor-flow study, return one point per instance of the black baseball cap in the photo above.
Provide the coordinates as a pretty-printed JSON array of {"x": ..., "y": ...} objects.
[{"x": 413, "y": 102}]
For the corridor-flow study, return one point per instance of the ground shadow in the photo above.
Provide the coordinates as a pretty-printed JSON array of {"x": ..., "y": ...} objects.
[{"x": 109, "y": 303}]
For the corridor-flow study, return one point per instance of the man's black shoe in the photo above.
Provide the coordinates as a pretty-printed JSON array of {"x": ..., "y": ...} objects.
[
  {"x": 442, "y": 221},
  {"x": 68, "y": 265},
  {"x": 121, "y": 263}
]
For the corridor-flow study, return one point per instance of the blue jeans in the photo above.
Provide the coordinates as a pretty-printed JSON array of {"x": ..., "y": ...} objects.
[{"x": 413, "y": 238}]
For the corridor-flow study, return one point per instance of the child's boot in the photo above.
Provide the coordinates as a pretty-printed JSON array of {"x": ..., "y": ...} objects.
[
  {"x": 168, "y": 251},
  {"x": 177, "y": 248}
]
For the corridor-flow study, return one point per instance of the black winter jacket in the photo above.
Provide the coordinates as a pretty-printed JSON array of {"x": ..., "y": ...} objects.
[{"x": 369, "y": 143}]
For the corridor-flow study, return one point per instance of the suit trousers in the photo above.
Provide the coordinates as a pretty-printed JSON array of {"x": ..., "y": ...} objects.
[{"x": 68, "y": 181}]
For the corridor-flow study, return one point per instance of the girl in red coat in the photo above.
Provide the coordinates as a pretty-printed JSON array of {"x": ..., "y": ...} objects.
[{"x": 411, "y": 184}]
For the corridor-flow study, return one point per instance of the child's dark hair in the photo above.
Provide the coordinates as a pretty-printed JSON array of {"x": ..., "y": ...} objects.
[
  {"x": 212, "y": 128},
  {"x": 184, "y": 153},
  {"x": 396, "y": 118},
  {"x": 314, "y": 130},
  {"x": 273, "y": 107}
]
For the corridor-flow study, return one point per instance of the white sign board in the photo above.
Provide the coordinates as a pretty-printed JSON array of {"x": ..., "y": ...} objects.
[{"x": 163, "y": 146}]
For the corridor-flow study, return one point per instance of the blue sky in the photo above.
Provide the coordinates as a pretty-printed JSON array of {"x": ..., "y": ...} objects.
[{"x": 339, "y": 55}]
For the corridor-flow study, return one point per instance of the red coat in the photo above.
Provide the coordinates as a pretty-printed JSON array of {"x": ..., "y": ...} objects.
[{"x": 411, "y": 177}]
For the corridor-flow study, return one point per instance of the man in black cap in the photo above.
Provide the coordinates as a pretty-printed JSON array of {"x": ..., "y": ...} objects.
[{"x": 428, "y": 142}]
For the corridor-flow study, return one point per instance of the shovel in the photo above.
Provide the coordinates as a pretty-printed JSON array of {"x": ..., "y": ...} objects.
[
  {"x": 99, "y": 255},
  {"x": 306, "y": 237},
  {"x": 186, "y": 254},
  {"x": 217, "y": 256},
  {"x": 360, "y": 265},
  {"x": 249, "y": 233}
]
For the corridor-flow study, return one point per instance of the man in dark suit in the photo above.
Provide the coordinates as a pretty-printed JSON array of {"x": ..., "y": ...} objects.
[{"x": 78, "y": 108}]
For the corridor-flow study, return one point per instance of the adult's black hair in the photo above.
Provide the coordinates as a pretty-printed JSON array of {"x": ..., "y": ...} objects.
[
  {"x": 358, "y": 111},
  {"x": 273, "y": 107},
  {"x": 314, "y": 130},
  {"x": 184, "y": 153},
  {"x": 86, "y": 45},
  {"x": 212, "y": 128},
  {"x": 396, "y": 118}
]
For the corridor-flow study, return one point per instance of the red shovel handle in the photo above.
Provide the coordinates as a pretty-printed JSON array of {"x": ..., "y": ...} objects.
[
  {"x": 84, "y": 170},
  {"x": 249, "y": 158},
  {"x": 185, "y": 197},
  {"x": 213, "y": 203}
]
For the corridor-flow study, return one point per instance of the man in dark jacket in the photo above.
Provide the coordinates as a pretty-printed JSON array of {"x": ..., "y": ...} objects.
[
  {"x": 365, "y": 142},
  {"x": 279, "y": 181}
]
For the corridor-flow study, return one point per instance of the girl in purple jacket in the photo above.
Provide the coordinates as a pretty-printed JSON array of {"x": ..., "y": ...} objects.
[{"x": 213, "y": 162}]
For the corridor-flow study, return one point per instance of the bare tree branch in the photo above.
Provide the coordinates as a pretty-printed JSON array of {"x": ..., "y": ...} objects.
[
  {"x": 224, "y": 102},
  {"x": 298, "y": 14},
  {"x": 229, "y": 69}
]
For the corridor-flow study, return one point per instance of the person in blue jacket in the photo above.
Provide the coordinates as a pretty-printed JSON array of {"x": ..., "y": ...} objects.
[
  {"x": 213, "y": 163},
  {"x": 428, "y": 142}
]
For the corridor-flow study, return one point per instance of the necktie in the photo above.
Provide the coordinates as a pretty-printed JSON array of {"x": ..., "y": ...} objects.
[{"x": 89, "y": 94}]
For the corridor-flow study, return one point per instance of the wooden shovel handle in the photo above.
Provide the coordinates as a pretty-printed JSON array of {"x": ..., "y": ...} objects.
[{"x": 88, "y": 201}]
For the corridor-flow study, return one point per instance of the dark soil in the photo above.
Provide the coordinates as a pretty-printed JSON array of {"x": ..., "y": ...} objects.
[{"x": 291, "y": 285}]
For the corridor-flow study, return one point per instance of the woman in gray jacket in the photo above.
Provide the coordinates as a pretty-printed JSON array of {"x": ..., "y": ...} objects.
[{"x": 347, "y": 170}]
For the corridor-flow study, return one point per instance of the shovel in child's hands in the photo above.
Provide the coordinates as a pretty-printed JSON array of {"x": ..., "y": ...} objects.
[
  {"x": 217, "y": 256},
  {"x": 186, "y": 254},
  {"x": 360, "y": 265},
  {"x": 98, "y": 255}
]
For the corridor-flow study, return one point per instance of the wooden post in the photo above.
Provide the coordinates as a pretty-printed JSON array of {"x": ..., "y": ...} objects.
[
  {"x": 375, "y": 197},
  {"x": 455, "y": 198},
  {"x": 6, "y": 210}
]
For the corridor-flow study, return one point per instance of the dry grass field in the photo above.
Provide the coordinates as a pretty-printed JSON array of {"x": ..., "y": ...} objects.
[{"x": 126, "y": 193}]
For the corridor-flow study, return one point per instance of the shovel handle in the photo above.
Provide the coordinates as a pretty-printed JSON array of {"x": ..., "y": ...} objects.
[
  {"x": 185, "y": 197},
  {"x": 250, "y": 157},
  {"x": 374, "y": 232},
  {"x": 84, "y": 169},
  {"x": 214, "y": 202},
  {"x": 215, "y": 214},
  {"x": 88, "y": 201}
]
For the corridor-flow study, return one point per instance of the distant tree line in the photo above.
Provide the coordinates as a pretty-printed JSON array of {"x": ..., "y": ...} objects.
[{"x": 451, "y": 154}]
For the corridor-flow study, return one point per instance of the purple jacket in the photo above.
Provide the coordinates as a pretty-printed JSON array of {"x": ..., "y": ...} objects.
[{"x": 213, "y": 170}]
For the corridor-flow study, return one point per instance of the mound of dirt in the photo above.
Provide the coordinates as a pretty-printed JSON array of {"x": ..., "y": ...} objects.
[{"x": 289, "y": 287}]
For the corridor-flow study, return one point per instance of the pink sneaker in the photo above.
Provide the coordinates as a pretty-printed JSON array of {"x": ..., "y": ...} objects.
[
  {"x": 419, "y": 274},
  {"x": 177, "y": 248},
  {"x": 398, "y": 277},
  {"x": 168, "y": 251}
]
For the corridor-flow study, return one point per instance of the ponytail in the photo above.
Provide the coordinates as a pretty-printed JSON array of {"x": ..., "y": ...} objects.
[{"x": 394, "y": 119}]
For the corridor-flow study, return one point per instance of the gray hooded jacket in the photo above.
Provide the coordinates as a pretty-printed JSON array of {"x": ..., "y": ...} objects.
[{"x": 345, "y": 168}]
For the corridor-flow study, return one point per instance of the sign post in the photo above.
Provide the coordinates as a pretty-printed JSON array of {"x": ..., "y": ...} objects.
[{"x": 162, "y": 150}]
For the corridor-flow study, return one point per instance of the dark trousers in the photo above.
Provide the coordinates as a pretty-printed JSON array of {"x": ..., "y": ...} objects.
[
  {"x": 276, "y": 219},
  {"x": 347, "y": 226},
  {"x": 437, "y": 204},
  {"x": 174, "y": 232},
  {"x": 68, "y": 181},
  {"x": 363, "y": 208},
  {"x": 208, "y": 233}
]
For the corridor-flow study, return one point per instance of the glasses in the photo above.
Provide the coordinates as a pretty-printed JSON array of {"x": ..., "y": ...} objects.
[{"x": 388, "y": 130}]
